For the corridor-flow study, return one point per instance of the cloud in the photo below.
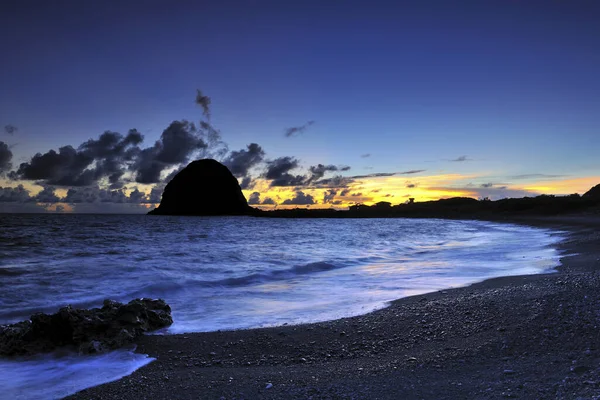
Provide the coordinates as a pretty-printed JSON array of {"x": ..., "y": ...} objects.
[
  {"x": 374, "y": 175},
  {"x": 5, "y": 158},
  {"x": 254, "y": 198},
  {"x": 337, "y": 181},
  {"x": 95, "y": 194},
  {"x": 297, "y": 130},
  {"x": 269, "y": 201},
  {"x": 14, "y": 194},
  {"x": 240, "y": 162},
  {"x": 92, "y": 161},
  {"x": 47, "y": 195},
  {"x": 461, "y": 159},
  {"x": 204, "y": 102},
  {"x": 411, "y": 185},
  {"x": 112, "y": 151},
  {"x": 177, "y": 144},
  {"x": 366, "y": 155},
  {"x": 247, "y": 183},
  {"x": 319, "y": 170},
  {"x": 278, "y": 172},
  {"x": 385, "y": 174},
  {"x": 329, "y": 195},
  {"x": 487, "y": 185},
  {"x": 10, "y": 129},
  {"x": 300, "y": 199},
  {"x": 68, "y": 167},
  {"x": 155, "y": 195}
]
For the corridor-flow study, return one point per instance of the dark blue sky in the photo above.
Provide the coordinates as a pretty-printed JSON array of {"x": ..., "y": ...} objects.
[{"x": 511, "y": 84}]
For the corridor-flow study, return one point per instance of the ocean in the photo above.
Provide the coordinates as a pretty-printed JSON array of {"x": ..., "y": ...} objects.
[{"x": 221, "y": 273}]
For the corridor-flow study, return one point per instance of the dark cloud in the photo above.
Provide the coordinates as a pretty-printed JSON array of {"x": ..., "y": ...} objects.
[
  {"x": 10, "y": 129},
  {"x": 335, "y": 182},
  {"x": 296, "y": 130},
  {"x": 14, "y": 195},
  {"x": 411, "y": 185},
  {"x": 68, "y": 167},
  {"x": 300, "y": 199},
  {"x": 278, "y": 172},
  {"x": 383, "y": 174},
  {"x": 344, "y": 192},
  {"x": 319, "y": 170},
  {"x": 487, "y": 185},
  {"x": 329, "y": 195},
  {"x": 247, "y": 183},
  {"x": 46, "y": 195},
  {"x": 137, "y": 197},
  {"x": 204, "y": 102},
  {"x": 374, "y": 175},
  {"x": 95, "y": 159},
  {"x": 5, "y": 158},
  {"x": 95, "y": 194},
  {"x": 461, "y": 159},
  {"x": 176, "y": 145},
  {"x": 82, "y": 195},
  {"x": 240, "y": 162},
  {"x": 356, "y": 194},
  {"x": 366, "y": 155},
  {"x": 345, "y": 168},
  {"x": 254, "y": 198},
  {"x": 155, "y": 195},
  {"x": 112, "y": 152},
  {"x": 269, "y": 201}
]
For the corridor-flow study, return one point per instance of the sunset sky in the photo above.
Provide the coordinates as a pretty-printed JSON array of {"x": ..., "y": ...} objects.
[{"x": 312, "y": 103}]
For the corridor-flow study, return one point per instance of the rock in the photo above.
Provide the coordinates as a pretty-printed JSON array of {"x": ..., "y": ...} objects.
[
  {"x": 90, "y": 331},
  {"x": 269, "y": 386},
  {"x": 204, "y": 187}
]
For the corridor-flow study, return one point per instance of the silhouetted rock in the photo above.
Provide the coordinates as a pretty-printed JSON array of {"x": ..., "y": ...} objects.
[
  {"x": 204, "y": 187},
  {"x": 91, "y": 331}
]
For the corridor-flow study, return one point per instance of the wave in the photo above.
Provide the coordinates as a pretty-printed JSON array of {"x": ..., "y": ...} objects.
[
  {"x": 276, "y": 275},
  {"x": 10, "y": 271},
  {"x": 165, "y": 287}
]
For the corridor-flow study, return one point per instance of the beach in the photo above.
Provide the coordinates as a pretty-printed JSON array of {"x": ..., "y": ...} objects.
[{"x": 534, "y": 336}]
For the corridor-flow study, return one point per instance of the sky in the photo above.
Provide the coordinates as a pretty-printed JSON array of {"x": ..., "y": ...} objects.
[{"x": 309, "y": 103}]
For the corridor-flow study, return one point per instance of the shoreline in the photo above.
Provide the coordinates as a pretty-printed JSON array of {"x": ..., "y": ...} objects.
[{"x": 528, "y": 336}]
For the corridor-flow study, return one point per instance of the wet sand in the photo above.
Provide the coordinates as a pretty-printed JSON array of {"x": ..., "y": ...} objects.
[{"x": 528, "y": 337}]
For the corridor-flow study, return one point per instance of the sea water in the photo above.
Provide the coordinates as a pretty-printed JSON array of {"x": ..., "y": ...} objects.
[{"x": 236, "y": 272}]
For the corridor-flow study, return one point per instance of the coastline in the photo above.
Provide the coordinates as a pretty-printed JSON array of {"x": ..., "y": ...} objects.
[{"x": 532, "y": 336}]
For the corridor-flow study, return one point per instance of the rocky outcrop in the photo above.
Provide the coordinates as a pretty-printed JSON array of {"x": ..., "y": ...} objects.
[
  {"x": 204, "y": 187},
  {"x": 90, "y": 331}
]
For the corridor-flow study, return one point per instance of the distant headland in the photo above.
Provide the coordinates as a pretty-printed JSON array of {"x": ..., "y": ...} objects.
[{"x": 207, "y": 188}]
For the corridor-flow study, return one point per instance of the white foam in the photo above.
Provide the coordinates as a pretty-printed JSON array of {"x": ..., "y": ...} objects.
[{"x": 53, "y": 377}]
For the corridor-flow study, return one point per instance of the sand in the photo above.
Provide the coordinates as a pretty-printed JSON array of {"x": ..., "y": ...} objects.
[{"x": 528, "y": 337}]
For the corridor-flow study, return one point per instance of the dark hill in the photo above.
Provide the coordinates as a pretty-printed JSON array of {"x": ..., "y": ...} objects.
[
  {"x": 593, "y": 193},
  {"x": 204, "y": 187}
]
